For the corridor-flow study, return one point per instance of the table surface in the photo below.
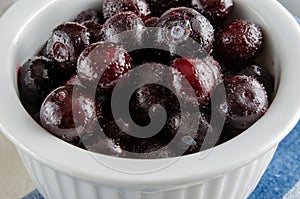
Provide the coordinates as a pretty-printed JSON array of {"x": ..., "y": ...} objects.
[{"x": 15, "y": 182}]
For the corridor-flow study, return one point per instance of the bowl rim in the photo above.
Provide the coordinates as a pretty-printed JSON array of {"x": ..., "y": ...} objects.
[{"x": 16, "y": 124}]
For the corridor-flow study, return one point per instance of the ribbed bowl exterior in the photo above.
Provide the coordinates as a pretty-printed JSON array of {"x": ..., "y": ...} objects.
[{"x": 235, "y": 184}]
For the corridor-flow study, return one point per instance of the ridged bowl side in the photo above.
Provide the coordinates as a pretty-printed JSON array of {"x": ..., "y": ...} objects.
[{"x": 236, "y": 184}]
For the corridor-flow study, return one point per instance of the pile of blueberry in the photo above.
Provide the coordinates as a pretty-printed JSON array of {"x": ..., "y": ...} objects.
[{"x": 68, "y": 86}]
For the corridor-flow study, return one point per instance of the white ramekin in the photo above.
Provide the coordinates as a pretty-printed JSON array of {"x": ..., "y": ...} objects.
[{"x": 230, "y": 170}]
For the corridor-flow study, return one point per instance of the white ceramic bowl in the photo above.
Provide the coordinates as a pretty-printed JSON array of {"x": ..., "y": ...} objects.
[{"x": 231, "y": 170}]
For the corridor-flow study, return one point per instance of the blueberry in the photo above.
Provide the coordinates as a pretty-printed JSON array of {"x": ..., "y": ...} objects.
[
  {"x": 102, "y": 64},
  {"x": 36, "y": 79},
  {"x": 151, "y": 22},
  {"x": 121, "y": 22},
  {"x": 94, "y": 29},
  {"x": 239, "y": 42},
  {"x": 66, "y": 43},
  {"x": 202, "y": 74},
  {"x": 89, "y": 15},
  {"x": 247, "y": 101},
  {"x": 68, "y": 112},
  {"x": 113, "y": 7},
  {"x": 181, "y": 27},
  {"x": 216, "y": 11},
  {"x": 158, "y": 7},
  {"x": 262, "y": 75}
]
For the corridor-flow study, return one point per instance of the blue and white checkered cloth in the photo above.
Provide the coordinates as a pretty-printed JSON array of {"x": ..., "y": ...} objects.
[{"x": 281, "y": 179}]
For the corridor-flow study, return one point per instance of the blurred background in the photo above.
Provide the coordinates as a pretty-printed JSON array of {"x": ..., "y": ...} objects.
[
  {"x": 292, "y": 5},
  {"x": 4, "y": 4}
]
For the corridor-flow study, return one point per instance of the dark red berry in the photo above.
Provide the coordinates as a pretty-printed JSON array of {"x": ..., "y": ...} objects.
[
  {"x": 192, "y": 128},
  {"x": 215, "y": 10},
  {"x": 36, "y": 79},
  {"x": 202, "y": 74},
  {"x": 144, "y": 99},
  {"x": 239, "y": 42},
  {"x": 89, "y": 15},
  {"x": 181, "y": 27},
  {"x": 144, "y": 10},
  {"x": 172, "y": 110},
  {"x": 113, "y": 7},
  {"x": 229, "y": 133},
  {"x": 60, "y": 51},
  {"x": 151, "y": 22},
  {"x": 102, "y": 64},
  {"x": 262, "y": 75},
  {"x": 74, "y": 81},
  {"x": 68, "y": 112},
  {"x": 142, "y": 107},
  {"x": 149, "y": 72},
  {"x": 43, "y": 51},
  {"x": 121, "y": 22},
  {"x": 110, "y": 128},
  {"x": 95, "y": 30},
  {"x": 149, "y": 55},
  {"x": 247, "y": 101},
  {"x": 146, "y": 48},
  {"x": 158, "y": 7},
  {"x": 66, "y": 43}
]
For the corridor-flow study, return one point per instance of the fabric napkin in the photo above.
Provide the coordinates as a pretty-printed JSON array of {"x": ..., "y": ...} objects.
[{"x": 282, "y": 177}]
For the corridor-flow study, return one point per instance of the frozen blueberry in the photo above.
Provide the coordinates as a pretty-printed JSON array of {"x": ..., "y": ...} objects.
[
  {"x": 151, "y": 22},
  {"x": 239, "y": 42},
  {"x": 215, "y": 10},
  {"x": 66, "y": 43},
  {"x": 68, "y": 112},
  {"x": 36, "y": 79},
  {"x": 113, "y": 7},
  {"x": 262, "y": 75},
  {"x": 203, "y": 75},
  {"x": 100, "y": 65},
  {"x": 247, "y": 101},
  {"x": 89, "y": 15},
  {"x": 95, "y": 30},
  {"x": 186, "y": 31},
  {"x": 158, "y": 7},
  {"x": 121, "y": 22}
]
